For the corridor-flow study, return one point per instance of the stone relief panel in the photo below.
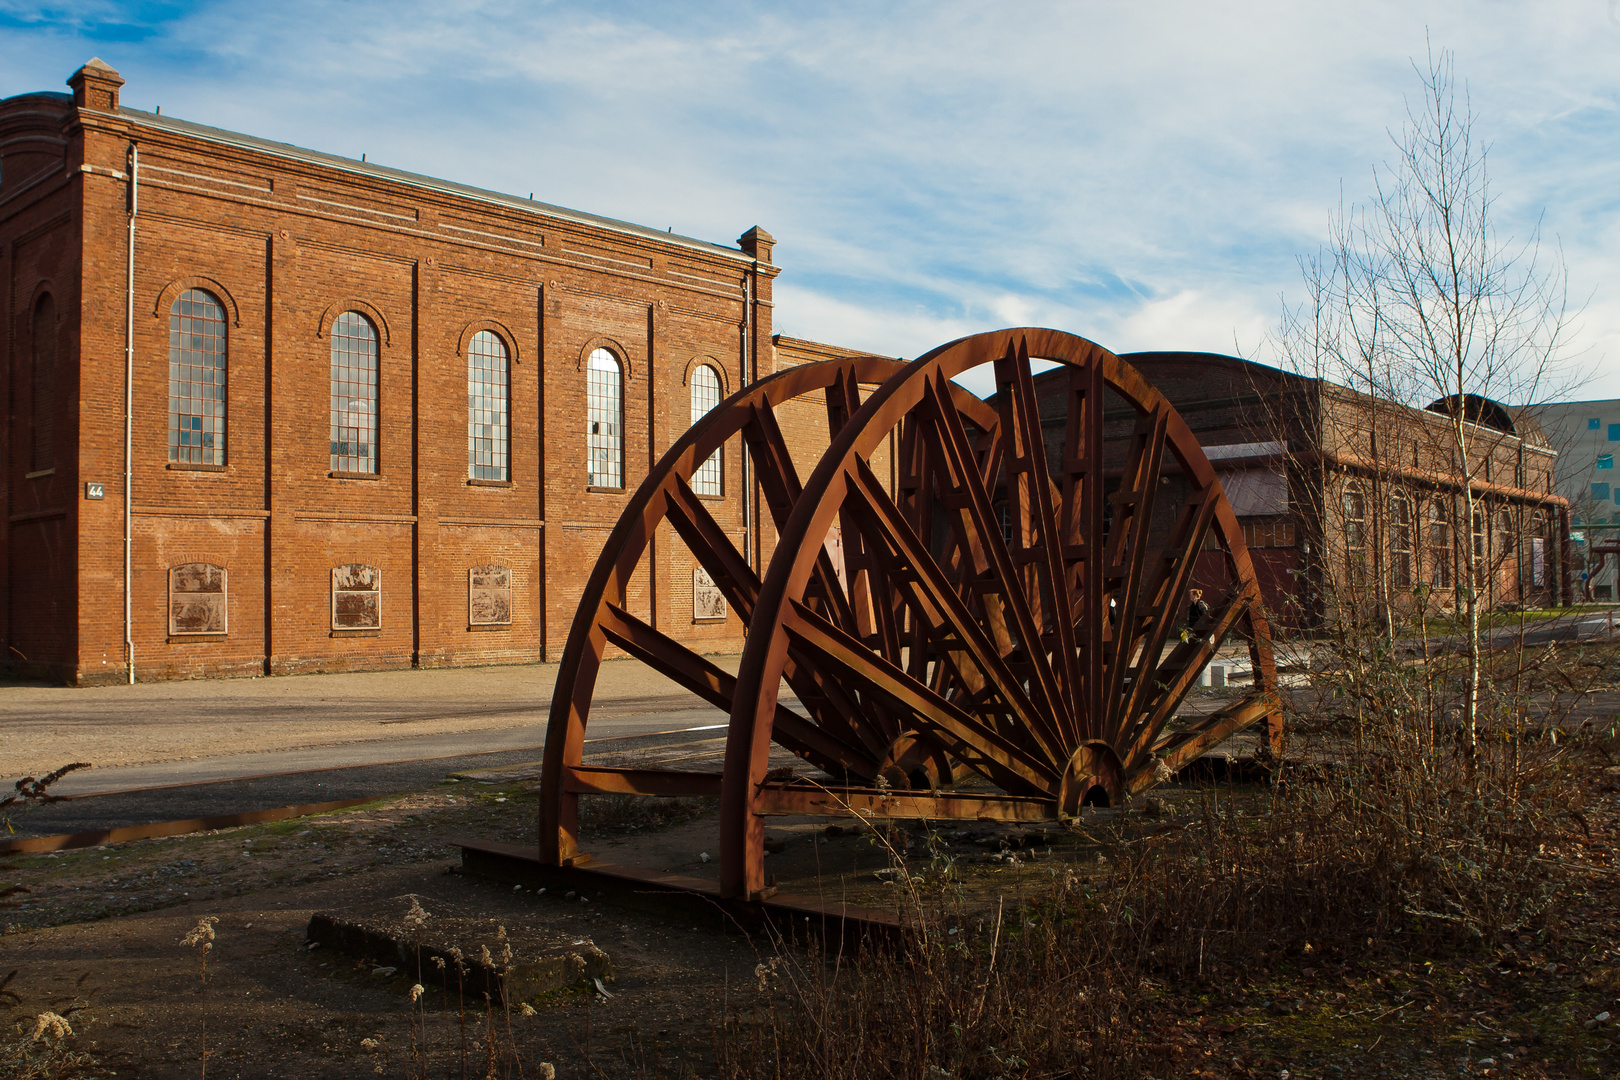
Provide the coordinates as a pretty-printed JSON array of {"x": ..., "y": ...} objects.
[
  {"x": 489, "y": 596},
  {"x": 356, "y": 597},
  {"x": 197, "y": 599},
  {"x": 708, "y": 602}
]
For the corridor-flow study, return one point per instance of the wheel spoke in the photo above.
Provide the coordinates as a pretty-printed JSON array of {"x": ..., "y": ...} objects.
[
  {"x": 1126, "y": 553},
  {"x": 1184, "y": 746},
  {"x": 1167, "y": 585},
  {"x": 990, "y": 566},
  {"x": 718, "y": 687},
  {"x": 1082, "y": 535},
  {"x": 1029, "y": 489},
  {"x": 1175, "y": 676},
  {"x": 713, "y": 549},
  {"x": 778, "y": 478},
  {"x": 982, "y": 748},
  {"x": 956, "y": 633}
]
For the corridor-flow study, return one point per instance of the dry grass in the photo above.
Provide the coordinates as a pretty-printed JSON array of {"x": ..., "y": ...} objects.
[
  {"x": 1388, "y": 832},
  {"x": 45, "y": 1045}
]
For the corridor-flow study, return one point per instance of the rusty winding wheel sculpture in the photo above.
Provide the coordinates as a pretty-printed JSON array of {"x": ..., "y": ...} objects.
[{"x": 1004, "y": 638}]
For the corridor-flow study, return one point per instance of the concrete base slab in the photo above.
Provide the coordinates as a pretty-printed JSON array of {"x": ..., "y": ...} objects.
[
  {"x": 522, "y": 958},
  {"x": 836, "y": 924}
]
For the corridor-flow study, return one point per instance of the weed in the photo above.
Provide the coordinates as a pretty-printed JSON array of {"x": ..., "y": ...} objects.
[{"x": 201, "y": 938}]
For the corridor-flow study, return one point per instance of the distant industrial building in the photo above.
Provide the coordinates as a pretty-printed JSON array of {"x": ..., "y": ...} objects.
[
  {"x": 1344, "y": 498},
  {"x": 1586, "y": 435}
]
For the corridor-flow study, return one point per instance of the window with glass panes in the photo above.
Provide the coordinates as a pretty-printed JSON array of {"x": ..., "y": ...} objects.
[
  {"x": 197, "y": 379},
  {"x": 604, "y": 421},
  {"x": 42, "y": 440},
  {"x": 488, "y": 397},
  {"x": 1355, "y": 531},
  {"x": 708, "y": 479},
  {"x": 1440, "y": 564},
  {"x": 354, "y": 394},
  {"x": 1400, "y": 542}
]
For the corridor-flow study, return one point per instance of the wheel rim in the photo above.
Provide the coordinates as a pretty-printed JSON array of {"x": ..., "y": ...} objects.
[
  {"x": 601, "y": 619},
  {"x": 985, "y": 656}
]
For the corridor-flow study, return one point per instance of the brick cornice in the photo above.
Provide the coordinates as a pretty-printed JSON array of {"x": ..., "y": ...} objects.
[
  {"x": 602, "y": 341},
  {"x": 338, "y": 307},
  {"x": 499, "y": 329},
  {"x": 710, "y": 361},
  {"x": 166, "y": 295}
]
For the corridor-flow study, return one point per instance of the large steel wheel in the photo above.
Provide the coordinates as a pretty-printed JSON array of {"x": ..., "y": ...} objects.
[
  {"x": 1007, "y": 610},
  {"x": 995, "y": 632},
  {"x": 602, "y": 617}
]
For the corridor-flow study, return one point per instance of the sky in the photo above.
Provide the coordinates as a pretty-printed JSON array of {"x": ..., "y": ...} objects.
[{"x": 1144, "y": 175}]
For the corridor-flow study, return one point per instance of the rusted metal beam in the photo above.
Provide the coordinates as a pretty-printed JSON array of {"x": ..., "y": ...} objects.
[
  {"x": 175, "y": 828},
  {"x": 1214, "y": 729},
  {"x": 787, "y": 799},
  {"x": 603, "y": 780}
]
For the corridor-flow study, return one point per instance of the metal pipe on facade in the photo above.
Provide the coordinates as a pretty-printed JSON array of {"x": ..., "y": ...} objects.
[
  {"x": 747, "y": 355},
  {"x": 129, "y": 406}
]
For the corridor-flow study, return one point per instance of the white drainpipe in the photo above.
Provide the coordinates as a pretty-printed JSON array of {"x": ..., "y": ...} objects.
[
  {"x": 747, "y": 488},
  {"x": 129, "y": 405}
]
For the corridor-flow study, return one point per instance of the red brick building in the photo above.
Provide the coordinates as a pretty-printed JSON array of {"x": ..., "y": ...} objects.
[
  {"x": 373, "y": 419},
  {"x": 1347, "y": 499}
]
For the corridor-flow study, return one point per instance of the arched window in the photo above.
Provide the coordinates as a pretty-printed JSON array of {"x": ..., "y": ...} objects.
[
  {"x": 354, "y": 394},
  {"x": 197, "y": 396},
  {"x": 1503, "y": 557},
  {"x": 1539, "y": 576},
  {"x": 604, "y": 419},
  {"x": 1400, "y": 542},
  {"x": 42, "y": 441},
  {"x": 708, "y": 479},
  {"x": 1440, "y": 557},
  {"x": 1506, "y": 532},
  {"x": 488, "y": 397},
  {"x": 1355, "y": 532}
]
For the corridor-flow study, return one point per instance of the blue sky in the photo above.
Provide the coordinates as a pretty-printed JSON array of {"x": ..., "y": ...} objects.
[{"x": 1145, "y": 175}]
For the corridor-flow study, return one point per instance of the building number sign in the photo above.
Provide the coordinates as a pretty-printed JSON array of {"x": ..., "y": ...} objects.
[{"x": 95, "y": 489}]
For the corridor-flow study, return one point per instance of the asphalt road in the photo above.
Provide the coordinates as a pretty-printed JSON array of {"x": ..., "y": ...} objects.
[
  {"x": 657, "y": 728},
  {"x": 185, "y": 801}
]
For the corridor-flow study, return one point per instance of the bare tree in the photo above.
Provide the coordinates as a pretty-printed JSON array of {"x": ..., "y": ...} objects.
[{"x": 1418, "y": 299}]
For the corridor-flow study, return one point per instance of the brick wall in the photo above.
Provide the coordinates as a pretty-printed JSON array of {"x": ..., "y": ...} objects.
[{"x": 287, "y": 241}]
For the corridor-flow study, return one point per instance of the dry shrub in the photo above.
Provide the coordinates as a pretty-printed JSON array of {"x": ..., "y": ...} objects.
[
  {"x": 41, "y": 1051},
  {"x": 1025, "y": 990},
  {"x": 1404, "y": 837},
  {"x": 32, "y": 791},
  {"x": 42, "y": 1046}
]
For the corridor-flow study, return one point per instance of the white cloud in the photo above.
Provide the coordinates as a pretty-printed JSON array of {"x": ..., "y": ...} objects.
[
  {"x": 1193, "y": 321},
  {"x": 1141, "y": 174}
]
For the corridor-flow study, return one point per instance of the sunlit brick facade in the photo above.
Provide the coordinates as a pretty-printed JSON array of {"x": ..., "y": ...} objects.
[
  {"x": 434, "y": 505},
  {"x": 1347, "y": 499}
]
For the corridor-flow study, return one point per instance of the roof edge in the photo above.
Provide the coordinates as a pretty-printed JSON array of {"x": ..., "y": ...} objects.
[{"x": 438, "y": 185}]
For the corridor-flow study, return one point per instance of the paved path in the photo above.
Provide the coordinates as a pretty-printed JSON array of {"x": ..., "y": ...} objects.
[
  {"x": 183, "y": 802},
  {"x": 169, "y": 732},
  {"x": 228, "y": 746}
]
